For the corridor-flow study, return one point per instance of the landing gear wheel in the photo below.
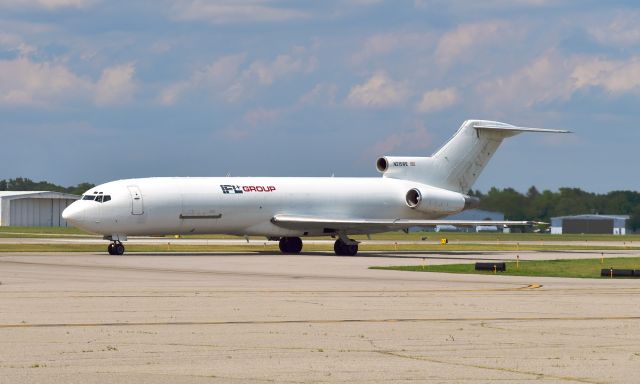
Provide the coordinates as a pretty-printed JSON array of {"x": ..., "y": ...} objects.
[
  {"x": 291, "y": 245},
  {"x": 116, "y": 249},
  {"x": 342, "y": 249},
  {"x": 119, "y": 249}
]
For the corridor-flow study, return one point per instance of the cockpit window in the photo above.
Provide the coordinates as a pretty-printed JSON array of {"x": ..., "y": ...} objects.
[{"x": 98, "y": 198}]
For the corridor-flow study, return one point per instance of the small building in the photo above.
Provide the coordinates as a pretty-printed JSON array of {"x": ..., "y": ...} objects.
[
  {"x": 34, "y": 208},
  {"x": 590, "y": 224}
]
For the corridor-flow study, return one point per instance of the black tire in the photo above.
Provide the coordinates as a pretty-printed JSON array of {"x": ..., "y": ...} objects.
[
  {"x": 342, "y": 249},
  {"x": 110, "y": 249},
  {"x": 118, "y": 249},
  {"x": 290, "y": 245}
]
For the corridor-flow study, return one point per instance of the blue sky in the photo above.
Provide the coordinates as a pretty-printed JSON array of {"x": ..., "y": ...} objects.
[{"x": 96, "y": 90}]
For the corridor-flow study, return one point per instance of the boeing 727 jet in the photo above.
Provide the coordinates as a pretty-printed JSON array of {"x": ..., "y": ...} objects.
[{"x": 413, "y": 191}]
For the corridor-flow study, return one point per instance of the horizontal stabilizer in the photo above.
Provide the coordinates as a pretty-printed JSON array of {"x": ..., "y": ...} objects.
[{"x": 511, "y": 128}]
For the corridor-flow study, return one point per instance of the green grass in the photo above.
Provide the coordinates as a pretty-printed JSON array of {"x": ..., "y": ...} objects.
[{"x": 584, "y": 268}]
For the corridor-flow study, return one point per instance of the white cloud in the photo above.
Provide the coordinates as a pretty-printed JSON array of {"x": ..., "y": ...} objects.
[
  {"x": 253, "y": 121},
  {"x": 283, "y": 65},
  {"x": 460, "y": 42},
  {"x": 378, "y": 91},
  {"x": 544, "y": 79},
  {"x": 615, "y": 76},
  {"x": 226, "y": 77},
  {"x": 45, "y": 4},
  {"x": 116, "y": 85},
  {"x": 234, "y": 11},
  {"x": 623, "y": 30},
  {"x": 385, "y": 43},
  {"x": 459, "y": 6},
  {"x": 321, "y": 94},
  {"x": 552, "y": 77},
  {"x": 416, "y": 138},
  {"x": 27, "y": 83},
  {"x": 15, "y": 43},
  {"x": 437, "y": 99},
  {"x": 23, "y": 82},
  {"x": 219, "y": 75}
]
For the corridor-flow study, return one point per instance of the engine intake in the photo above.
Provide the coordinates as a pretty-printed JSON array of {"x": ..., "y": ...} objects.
[
  {"x": 413, "y": 198},
  {"x": 382, "y": 164}
]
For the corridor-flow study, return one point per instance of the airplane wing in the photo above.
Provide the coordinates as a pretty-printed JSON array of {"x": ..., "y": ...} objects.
[{"x": 376, "y": 225}]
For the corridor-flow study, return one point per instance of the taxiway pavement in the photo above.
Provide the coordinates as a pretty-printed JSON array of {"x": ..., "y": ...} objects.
[{"x": 315, "y": 317}]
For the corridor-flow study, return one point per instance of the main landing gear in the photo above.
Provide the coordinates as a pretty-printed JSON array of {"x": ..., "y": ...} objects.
[
  {"x": 116, "y": 248},
  {"x": 291, "y": 245},
  {"x": 342, "y": 248}
]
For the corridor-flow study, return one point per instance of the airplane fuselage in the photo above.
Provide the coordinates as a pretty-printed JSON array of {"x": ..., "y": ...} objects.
[{"x": 240, "y": 205}]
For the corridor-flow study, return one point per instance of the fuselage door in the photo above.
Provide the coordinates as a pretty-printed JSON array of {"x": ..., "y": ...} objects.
[{"x": 137, "y": 205}]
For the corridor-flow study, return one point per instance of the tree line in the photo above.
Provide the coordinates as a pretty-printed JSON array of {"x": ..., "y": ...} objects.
[
  {"x": 542, "y": 206},
  {"x": 25, "y": 184}
]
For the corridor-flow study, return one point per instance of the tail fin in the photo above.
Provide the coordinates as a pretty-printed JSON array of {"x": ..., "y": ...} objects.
[{"x": 458, "y": 164}]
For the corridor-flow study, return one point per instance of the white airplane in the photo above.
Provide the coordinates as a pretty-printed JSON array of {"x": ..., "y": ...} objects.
[{"x": 413, "y": 191}]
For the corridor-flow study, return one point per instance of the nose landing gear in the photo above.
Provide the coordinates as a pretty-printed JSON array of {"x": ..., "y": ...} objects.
[{"x": 116, "y": 248}]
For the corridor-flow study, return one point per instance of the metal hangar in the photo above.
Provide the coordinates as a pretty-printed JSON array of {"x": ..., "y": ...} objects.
[{"x": 34, "y": 208}]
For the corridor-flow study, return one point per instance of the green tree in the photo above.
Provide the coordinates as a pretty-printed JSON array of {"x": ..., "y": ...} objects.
[{"x": 25, "y": 184}]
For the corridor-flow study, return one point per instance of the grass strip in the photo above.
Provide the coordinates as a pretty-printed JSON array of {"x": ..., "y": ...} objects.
[{"x": 583, "y": 268}]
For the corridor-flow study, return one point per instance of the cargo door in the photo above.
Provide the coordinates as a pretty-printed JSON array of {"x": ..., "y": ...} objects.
[
  {"x": 199, "y": 206},
  {"x": 137, "y": 204}
]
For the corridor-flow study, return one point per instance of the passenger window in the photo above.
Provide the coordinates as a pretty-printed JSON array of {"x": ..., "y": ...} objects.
[
  {"x": 99, "y": 199},
  {"x": 106, "y": 198}
]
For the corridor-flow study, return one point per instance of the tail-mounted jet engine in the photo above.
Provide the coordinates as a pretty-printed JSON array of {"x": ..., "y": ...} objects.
[
  {"x": 393, "y": 165},
  {"x": 436, "y": 200}
]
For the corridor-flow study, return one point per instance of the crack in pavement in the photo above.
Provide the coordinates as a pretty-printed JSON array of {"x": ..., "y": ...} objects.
[{"x": 323, "y": 321}]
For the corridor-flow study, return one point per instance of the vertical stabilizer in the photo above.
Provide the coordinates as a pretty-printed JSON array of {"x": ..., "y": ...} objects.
[{"x": 458, "y": 164}]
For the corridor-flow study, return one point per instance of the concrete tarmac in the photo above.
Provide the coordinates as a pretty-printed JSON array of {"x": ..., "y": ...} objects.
[{"x": 315, "y": 317}]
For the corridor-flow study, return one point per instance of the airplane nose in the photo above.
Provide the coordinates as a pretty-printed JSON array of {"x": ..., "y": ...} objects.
[{"x": 73, "y": 213}]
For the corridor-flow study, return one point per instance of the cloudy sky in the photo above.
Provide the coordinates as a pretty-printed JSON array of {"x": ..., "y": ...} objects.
[{"x": 96, "y": 90}]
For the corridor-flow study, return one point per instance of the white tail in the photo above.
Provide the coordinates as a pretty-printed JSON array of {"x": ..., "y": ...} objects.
[{"x": 458, "y": 164}]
